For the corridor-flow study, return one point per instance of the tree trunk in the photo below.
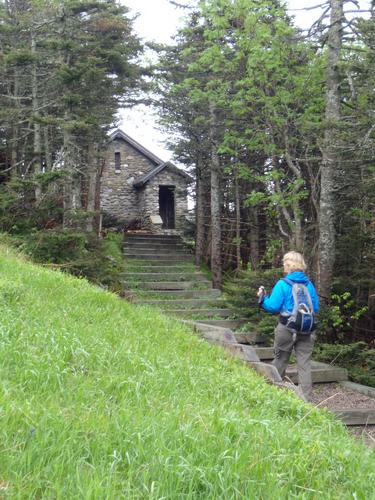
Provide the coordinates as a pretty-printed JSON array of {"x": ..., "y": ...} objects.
[
  {"x": 72, "y": 183},
  {"x": 200, "y": 238},
  {"x": 330, "y": 162},
  {"x": 238, "y": 222},
  {"x": 92, "y": 186},
  {"x": 297, "y": 230},
  {"x": 216, "y": 265},
  {"x": 254, "y": 238},
  {"x": 37, "y": 153}
]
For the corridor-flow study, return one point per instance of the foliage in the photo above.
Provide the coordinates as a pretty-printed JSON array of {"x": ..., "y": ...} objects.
[
  {"x": 103, "y": 399},
  {"x": 337, "y": 320},
  {"x": 19, "y": 214},
  {"x": 241, "y": 295},
  {"x": 59, "y": 123},
  {"x": 243, "y": 287}
]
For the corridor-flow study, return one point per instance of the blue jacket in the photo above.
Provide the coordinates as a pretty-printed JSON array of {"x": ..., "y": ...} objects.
[{"x": 281, "y": 298}]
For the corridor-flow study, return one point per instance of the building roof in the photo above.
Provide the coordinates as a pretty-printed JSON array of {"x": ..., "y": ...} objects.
[
  {"x": 160, "y": 165},
  {"x": 141, "y": 181}
]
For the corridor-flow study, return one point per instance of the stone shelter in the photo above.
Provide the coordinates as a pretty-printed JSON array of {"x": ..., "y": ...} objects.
[{"x": 136, "y": 185}]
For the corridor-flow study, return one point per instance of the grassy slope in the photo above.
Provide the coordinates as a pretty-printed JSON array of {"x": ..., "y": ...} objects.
[{"x": 102, "y": 399}]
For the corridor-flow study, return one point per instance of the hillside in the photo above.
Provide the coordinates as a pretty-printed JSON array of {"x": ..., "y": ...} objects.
[{"x": 104, "y": 399}]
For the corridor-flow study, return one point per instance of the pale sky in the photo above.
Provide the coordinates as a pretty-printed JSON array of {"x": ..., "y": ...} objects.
[{"x": 158, "y": 20}]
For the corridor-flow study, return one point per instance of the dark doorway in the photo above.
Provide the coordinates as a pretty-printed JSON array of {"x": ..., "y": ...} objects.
[{"x": 166, "y": 206}]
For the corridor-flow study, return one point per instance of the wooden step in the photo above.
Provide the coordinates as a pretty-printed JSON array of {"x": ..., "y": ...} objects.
[
  {"x": 356, "y": 416},
  {"x": 321, "y": 372},
  {"x": 362, "y": 389}
]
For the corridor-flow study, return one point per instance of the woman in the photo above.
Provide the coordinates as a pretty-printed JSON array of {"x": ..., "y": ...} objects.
[{"x": 281, "y": 301}]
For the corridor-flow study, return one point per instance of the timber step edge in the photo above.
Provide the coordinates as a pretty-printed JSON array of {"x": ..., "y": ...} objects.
[
  {"x": 321, "y": 372},
  {"x": 356, "y": 416}
]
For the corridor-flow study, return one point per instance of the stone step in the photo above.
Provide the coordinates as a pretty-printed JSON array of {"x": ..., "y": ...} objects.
[
  {"x": 175, "y": 277},
  {"x": 165, "y": 258},
  {"x": 183, "y": 294},
  {"x": 232, "y": 324},
  {"x": 160, "y": 262},
  {"x": 252, "y": 338},
  {"x": 201, "y": 313},
  {"x": 152, "y": 237},
  {"x": 321, "y": 372},
  {"x": 171, "y": 285},
  {"x": 185, "y": 269},
  {"x": 153, "y": 244},
  {"x": 150, "y": 250},
  {"x": 182, "y": 303}
]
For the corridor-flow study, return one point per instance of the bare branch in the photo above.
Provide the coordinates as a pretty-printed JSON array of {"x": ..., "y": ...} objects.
[
  {"x": 180, "y": 5},
  {"x": 319, "y": 6}
]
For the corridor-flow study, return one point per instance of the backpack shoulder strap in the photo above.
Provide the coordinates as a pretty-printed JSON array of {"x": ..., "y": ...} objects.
[{"x": 290, "y": 282}]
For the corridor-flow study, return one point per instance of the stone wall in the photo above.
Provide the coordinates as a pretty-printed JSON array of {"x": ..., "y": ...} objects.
[
  {"x": 117, "y": 194},
  {"x": 151, "y": 195},
  {"x": 120, "y": 199}
]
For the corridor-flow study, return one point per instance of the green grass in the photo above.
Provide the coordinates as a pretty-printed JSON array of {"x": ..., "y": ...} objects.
[{"x": 103, "y": 399}]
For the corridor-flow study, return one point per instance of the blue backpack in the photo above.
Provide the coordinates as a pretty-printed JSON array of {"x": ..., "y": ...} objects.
[{"x": 302, "y": 319}]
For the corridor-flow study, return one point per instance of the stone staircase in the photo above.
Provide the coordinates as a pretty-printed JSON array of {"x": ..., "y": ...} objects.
[{"x": 160, "y": 272}]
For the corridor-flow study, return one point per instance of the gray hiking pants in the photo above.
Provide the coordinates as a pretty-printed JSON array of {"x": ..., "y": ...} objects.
[{"x": 303, "y": 348}]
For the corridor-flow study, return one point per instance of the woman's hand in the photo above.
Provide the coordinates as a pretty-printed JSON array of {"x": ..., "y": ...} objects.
[{"x": 261, "y": 291}]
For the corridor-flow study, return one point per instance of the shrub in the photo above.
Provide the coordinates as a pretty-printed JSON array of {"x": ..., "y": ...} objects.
[
  {"x": 81, "y": 254},
  {"x": 18, "y": 212},
  {"x": 337, "y": 320},
  {"x": 241, "y": 292}
]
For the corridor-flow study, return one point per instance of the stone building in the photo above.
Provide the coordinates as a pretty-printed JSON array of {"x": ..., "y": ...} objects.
[{"x": 137, "y": 186}]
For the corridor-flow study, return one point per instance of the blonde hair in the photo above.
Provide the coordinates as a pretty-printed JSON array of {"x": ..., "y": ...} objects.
[{"x": 295, "y": 260}]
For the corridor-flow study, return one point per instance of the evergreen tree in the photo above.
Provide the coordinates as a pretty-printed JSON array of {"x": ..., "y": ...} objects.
[{"x": 68, "y": 65}]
